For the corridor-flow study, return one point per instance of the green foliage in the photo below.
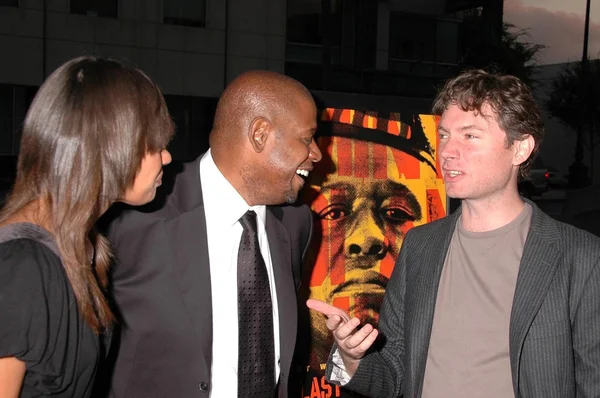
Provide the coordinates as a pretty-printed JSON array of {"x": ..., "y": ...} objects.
[
  {"x": 575, "y": 101},
  {"x": 575, "y": 96},
  {"x": 512, "y": 55}
]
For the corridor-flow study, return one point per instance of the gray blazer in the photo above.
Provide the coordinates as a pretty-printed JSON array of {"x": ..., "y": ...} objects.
[
  {"x": 554, "y": 326},
  {"x": 162, "y": 290}
]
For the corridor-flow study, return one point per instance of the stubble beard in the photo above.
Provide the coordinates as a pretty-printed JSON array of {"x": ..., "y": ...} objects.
[{"x": 290, "y": 197}]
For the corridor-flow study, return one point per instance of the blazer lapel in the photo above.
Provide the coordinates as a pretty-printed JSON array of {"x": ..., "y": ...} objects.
[
  {"x": 281, "y": 255},
  {"x": 424, "y": 273},
  {"x": 536, "y": 271}
]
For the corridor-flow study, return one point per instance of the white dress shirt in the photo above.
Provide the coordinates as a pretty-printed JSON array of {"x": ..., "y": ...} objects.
[{"x": 223, "y": 207}]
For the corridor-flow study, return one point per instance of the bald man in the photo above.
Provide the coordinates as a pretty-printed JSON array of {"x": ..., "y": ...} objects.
[{"x": 175, "y": 281}]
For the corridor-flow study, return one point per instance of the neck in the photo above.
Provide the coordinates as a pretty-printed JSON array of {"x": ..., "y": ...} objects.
[
  {"x": 35, "y": 213},
  {"x": 490, "y": 214},
  {"x": 236, "y": 174}
]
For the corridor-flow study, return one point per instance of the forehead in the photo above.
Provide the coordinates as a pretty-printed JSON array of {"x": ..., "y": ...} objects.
[
  {"x": 455, "y": 117},
  {"x": 300, "y": 114},
  {"x": 302, "y": 103}
]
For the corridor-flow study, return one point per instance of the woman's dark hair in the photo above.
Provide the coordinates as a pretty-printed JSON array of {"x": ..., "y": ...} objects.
[{"x": 84, "y": 138}]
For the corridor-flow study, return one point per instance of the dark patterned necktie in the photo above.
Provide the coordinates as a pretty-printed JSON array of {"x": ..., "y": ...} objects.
[{"x": 256, "y": 358}]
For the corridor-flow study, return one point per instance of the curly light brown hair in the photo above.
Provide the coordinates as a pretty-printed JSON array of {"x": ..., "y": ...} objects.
[{"x": 509, "y": 98}]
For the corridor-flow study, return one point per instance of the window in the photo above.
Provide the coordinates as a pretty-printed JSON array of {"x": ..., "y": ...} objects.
[
  {"x": 14, "y": 102},
  {"x": 185, "y": 12},
  {"x": 412, "y": 37},
  {"x": 193, "y": 117},
  {"x": 6, "y": 118},
  {"x": 307, "y": 23},
  {"x": 95, "y": 8}
]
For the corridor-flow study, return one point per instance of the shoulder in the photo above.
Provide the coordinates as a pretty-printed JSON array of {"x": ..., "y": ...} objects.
[
  {"x": 575, "y": 251},
  {"x": 31, "y": 277},
  {"x": 297, "y": 219},
  {"x": 293, "y": 213},
  {"x": 565, "y": 236},
  {"x": 180, "y": 192},
  {"x": 25, "y": 261},
  {"x": 31, "y": 273},
  {"x": 575, "y": 240},
  {"x": 423, "y": 234},
  {"x": 36, "y": 302}
]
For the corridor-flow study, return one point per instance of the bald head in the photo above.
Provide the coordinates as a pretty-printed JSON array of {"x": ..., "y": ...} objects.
[
  {"x": 253, "y": 94},
  {"x": 262, "y": 137}
]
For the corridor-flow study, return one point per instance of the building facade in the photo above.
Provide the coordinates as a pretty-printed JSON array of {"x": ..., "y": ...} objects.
[
  {"x": 193, "y": 48},
  {"x": 386, "y": 47}
]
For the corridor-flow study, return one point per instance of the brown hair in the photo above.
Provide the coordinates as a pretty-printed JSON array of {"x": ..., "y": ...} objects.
[
  {"x": 84, "y": 138},
  {"x": 510, "y": 99}
]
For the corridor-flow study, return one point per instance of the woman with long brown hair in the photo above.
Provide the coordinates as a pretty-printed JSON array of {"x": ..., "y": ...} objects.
[{"x": 95, "y": 134}]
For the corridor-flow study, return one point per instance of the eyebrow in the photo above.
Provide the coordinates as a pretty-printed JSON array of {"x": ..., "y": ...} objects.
[
  {"x": 462, "y": 128},
  {"x": 338, "y": 187},
  {"x": 386, "y": 188}
]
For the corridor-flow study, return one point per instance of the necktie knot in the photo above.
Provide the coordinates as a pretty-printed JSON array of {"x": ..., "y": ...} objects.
[{"x": 248, "y": 221}]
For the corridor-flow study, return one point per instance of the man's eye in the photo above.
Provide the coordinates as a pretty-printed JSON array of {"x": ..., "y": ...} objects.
[
  {"x": 334, "y": 212},
  {"x": 396, "y": 215}
]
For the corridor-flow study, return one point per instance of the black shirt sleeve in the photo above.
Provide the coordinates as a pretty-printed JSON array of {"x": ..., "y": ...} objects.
[{"x": 30, "y": 284}]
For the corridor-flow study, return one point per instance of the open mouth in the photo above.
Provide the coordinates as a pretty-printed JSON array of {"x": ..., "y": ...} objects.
[{"x": 302, "y": 173}]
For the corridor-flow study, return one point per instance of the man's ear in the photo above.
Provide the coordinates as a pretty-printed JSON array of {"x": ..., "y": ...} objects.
[
  {"x": 259, "y": 132},
  {"x": 523, "y": 149}
]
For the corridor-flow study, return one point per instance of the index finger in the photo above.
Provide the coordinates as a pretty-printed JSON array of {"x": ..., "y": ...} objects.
[{"x": 326, "y": 309}]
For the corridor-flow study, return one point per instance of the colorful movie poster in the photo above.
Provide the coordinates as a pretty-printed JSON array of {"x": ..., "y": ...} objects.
[{"x": 378, "y": 178}]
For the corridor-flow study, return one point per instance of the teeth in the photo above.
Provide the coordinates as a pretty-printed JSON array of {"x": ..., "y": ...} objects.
[
  {"x": 454, "y": 173},
  {"x": 303, "y": 173}
]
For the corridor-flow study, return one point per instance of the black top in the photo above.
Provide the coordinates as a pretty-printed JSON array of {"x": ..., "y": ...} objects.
[{"x": 40, "y": 323}]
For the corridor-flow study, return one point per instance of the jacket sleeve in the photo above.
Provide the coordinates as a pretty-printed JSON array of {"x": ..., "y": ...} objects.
[{"x": 586, "y": 338}]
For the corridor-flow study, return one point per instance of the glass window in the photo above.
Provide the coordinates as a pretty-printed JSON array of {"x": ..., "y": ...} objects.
[
  {"x": 6, "y": 118},
  {"x": 193, "y": 117},
  {"x": 9, "y": 3},
  {"x": 185, "y": 12},
  {"x": 412, "y": 37},
  {"x": 95, "y": 8},
  {"x": 307, "y": 24}
]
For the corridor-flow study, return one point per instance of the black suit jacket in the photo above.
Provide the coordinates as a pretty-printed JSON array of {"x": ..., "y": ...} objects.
[
  {"x": 161, "y": 286},
  {"x": 554, "y": 341}
]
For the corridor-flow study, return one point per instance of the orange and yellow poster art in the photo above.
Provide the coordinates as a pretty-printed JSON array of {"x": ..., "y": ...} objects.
[{"x": 379, "y": 177}]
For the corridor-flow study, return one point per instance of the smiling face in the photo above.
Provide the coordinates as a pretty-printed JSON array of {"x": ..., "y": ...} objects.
[
  {"x": 476, "y": 162},
  {"x": 291, "y": 152},
  {"x": 147, "y": 179}
]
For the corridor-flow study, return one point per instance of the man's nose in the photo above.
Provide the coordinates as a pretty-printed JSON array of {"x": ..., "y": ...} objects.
[
  {"x": 366, "y": 238},
  {"x": 448, "y": 149},
  {"x": 315, "y": 153}
]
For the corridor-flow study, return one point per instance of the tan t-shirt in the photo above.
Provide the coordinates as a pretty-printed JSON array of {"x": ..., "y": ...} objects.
[{"x": 469, "y": 348}]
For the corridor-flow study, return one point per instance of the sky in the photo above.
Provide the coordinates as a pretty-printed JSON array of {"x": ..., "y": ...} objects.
[{"x": 557, "y": 24}]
